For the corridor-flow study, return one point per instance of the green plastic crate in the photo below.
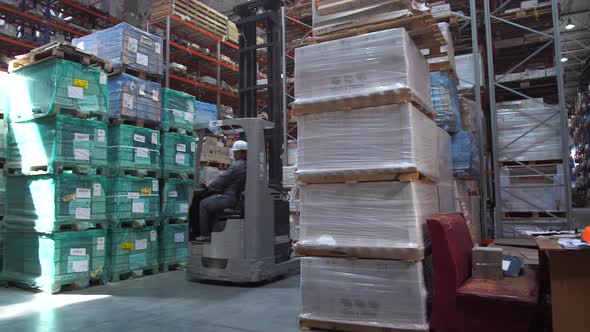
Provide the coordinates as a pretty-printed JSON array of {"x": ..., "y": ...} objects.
[
  {"x": 132, "y": 249},
  {"x": 49, "y": 261},
  {"x": 133, "y": 148},
  {"x": 50, "y": 143},
  {"x": 47, "y": 203},
  {"x": 175, "y": 198},
  {"x": 178, "y": 110},
  {"x": 56, "y": 86},
  {"x": 178, "y": 153},
  {"x": 131, "y": 198},
  {"x": 173, "y": 244}
]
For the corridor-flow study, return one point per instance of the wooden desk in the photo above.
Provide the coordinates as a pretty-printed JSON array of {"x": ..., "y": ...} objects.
[{"x": 569, "y": 276}]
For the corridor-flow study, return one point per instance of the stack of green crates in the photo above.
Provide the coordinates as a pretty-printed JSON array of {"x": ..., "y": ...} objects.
[
  {"x": 132, "y": 249},
  {"x": 178, "y": 110},
  {"x": 178, "y": 153},
  {"x": 133, "y": 148},
  {"x": 175, "y": 198},
  {"x": 58, "y": 85},
  {"x": 49, "y": 261},
  {"x": 132, "y": 198},
  {"x": 53, "y": 202},
  {"x": 55, "y": 141},
  {"x": 173, "y": 245}
]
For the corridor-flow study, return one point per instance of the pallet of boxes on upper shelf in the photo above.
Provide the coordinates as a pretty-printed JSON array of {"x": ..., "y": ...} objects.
[
  {"x": 56, "y": 160},
  {"x": 368, "y": 164}
]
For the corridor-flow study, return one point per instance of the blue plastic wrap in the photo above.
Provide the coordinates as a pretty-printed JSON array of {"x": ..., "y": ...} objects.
[
  {"x": 205, "y": 112},
  {"x": 125, "y": 45},
  {"x": 445, "y": 100},
  {"x": 465, "y": 154},
  {"x": 134, "y": 98}
]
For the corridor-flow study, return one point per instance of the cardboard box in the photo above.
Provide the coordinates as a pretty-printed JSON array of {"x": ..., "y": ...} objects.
[{"x": 487, "y": 263}]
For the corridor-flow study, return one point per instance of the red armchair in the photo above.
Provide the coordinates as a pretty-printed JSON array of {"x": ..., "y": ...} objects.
[{"x": 464, "y": 304}]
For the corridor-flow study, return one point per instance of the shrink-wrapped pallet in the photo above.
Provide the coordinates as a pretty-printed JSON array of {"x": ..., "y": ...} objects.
[
  {"x": 178, "y": 110},
  {"x": 173, "y": 244},
  {"x": 465, "y": 65},
  {"x": 529, "y": 130},
  {"x": 125, "y": 45},
  {"x": 175, "y": 197},
  {"x": 178, "y": 153},
  {"x": 384, "y": 139},
  {"x": 445, "y": 101},
  {"x": 134, "y": 99},
  {"x": 468, "y": 111},
  {"x": 446, "y": 198},
  {"x": 465, "y": 154},
  {"x": 388, "y": 217},
  {"x": 377, "y": 293},
  {"x": 133, "y": 148},
  {"x": 525, "y": 189},
  {"x": 379, "y": 65},
  {"x": 132, "y": 198}
]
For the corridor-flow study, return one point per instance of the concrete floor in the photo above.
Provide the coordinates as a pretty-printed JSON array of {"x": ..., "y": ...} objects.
[{"x": 162, "y": 302}]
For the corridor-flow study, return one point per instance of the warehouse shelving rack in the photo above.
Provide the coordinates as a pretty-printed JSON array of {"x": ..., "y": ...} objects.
[{"x": 546, "y": 26}]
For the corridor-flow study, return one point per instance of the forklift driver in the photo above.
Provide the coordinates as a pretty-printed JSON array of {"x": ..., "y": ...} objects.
[{"x": 224, "y": 192}]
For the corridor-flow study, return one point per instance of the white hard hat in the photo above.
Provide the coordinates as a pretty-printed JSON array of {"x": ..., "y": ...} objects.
[{"x": 240, "y": 146}]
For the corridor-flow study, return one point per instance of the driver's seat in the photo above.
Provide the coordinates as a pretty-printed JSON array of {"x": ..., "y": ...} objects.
[{"x": 237, "y": 212}]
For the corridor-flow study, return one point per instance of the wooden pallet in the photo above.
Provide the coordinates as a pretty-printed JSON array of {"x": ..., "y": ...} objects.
[
  {"x": 362, "y": 176},
  {"x": 403, "y": 254},
  {"x": 58, "y": 50},
  {"x": 216, "y": 164},
  {"x": 466, "y": 177},
  {"x": 532, "y": 13},
  {"x": 147, "y": 270},
  {"x": 75, "y": 226},
  {"x": 177, "y": 175},
  {"x": 397, "y": 96},
  {"x": 550, "y": 162},
  {"x": 444, "y": 65},
  {"x": 533, "y": 215},
  {"x": 172, "y": 266},
  {"x": 135, "y": 122},
  {"x": 124, "y": 69},
  {"x": 138, "y": 223},
  {"x": 186, "y": 132},
  {"x": 422, "y": 28},
  {"x": 139, "y": 173},
  {"x": 307, "y": 324},
  {"x": 58, "y": 168},
  {"x": 195, "y": 12},
  {"x": 175, "y": 220}
]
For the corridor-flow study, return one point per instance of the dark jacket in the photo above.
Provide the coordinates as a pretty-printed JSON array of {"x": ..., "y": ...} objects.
[{"x": 232, "y": 181}]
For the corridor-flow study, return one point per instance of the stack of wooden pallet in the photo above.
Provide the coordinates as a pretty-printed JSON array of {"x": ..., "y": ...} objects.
[{"x": 368, "y": 163}]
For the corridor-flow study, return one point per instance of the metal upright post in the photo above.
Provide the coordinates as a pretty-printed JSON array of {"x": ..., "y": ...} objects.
[
  {"x": 167, "y": 64},
  {"x": 284, "y": 86},
  {"x": 219, "y": 85}
]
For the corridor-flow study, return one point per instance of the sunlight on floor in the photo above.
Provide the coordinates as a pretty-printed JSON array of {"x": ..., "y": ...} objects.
[{"x": 43, "y": 303}]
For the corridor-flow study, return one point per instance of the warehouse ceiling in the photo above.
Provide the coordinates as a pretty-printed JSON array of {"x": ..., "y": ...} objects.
[{"x": 575, "y": 43}]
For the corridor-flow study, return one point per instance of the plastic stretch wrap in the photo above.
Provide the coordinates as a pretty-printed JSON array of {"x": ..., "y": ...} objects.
[
  {"x": 208, "y": 174},
  {"x": 132, "y": 249},
  {"x": 2, "y": 196},
  {"x": 44, "y": 203},
  {"x": 445, "y": 100},
  {"x": 294, "y": 227},
  {"x": 54, "y": 85},
  {"x": 132, "y": 198},
  {"x": 542, "y": 140},
  {"x": 175, "y": 197},
  {"x": 465, "y": 154},
  {"x": 178, "y": 110},
  {"x": 465, "y": 65},
  {"x": 445, "y": 156},
  {"x": 448, "y": 50},
  {"x": 468, "y": 111},
  {"x": 292, "y": 153},
  {"x": 56, "y": 140},
  {"x": 205, "y": 112},
  {"x": 331, "y": 16},
  {"x": 367, "y": 214},
  {"x": 289, "y": 176},
  {"x": 367, "y": 65},
  {"x": 48, "y": 261},
  {"x": 526, "y": 190},
  {"x": 518, "y": 228},
  {"x": 133, "y": 148},
  {"x": 134, "y": 98},
  {"x": 174, "y": 244},
  {"x": 377, "y": 293},
  {"x": 390, "y": 138},
  {"x": 178, "y": 153},
  {"x": 125, "y": 45}
]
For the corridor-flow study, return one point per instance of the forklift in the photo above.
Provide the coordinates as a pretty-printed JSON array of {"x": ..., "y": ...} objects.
[{"x": 249, "y": 243}]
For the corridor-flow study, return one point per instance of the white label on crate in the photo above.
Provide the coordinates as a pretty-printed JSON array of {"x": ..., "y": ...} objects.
[
  {"x": 183, "y": 207},
  {"x": 142, "y": 89},
  {"x": 156, "y": 95},
  {"x": 96, "y": 189},
  {"x": 75, "y": 92},
  {"x": 193, "y": 146},
  {"x": 102, "y": 78},
  {"x": 154, "y": 138},
  {"x": 139, "y": 138},
  {"x": 153, "y": 236},
  {"x": 127, "y": 100},
  {"x": 83, "y": 193},
  {"x": 505, "y": 265},
  {"x": 440, "y": 8},
  {"x": 81, "y": 154},
  {"x": 132, "y": 195},
  {"x": 142, "y": 59},
  {"x": 173, "y": 194},
  {"x": 177, "y": 113},
  {"x": 83, "y": 213},
  {"x": 78, "y": 252},
  {"x": 142, "y": 152},
  {"x": 81, "y": 137},
  {"x": 141, "y": 244},
  {"x": 190, "y": 106},
  {"x": 180, "y": 158},
  {"x": 178, "y": 237},
  {"x": 158, "y": 48},
  {"x": 80, "y": 266},
  {"x": 188, "y": 117},
  {"x": 101, "y": 135},
  {"x": 100, "y": 243},
  {"x": 80, "y": 45},
  {"x": 155, "y": 185},
  {"x": 181, "y": 147},
  {"x": 132, "y": 45},
  {"x": 137, "y": 207}
]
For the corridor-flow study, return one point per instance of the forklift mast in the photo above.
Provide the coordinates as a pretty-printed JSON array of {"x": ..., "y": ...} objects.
[{"x": 267, "y": 15}]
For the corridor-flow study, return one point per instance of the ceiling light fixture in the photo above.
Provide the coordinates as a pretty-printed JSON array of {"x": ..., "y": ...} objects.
[
  {"x": 564, "y": 59},
  {"x": 570, "y": 25}
]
